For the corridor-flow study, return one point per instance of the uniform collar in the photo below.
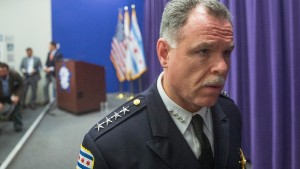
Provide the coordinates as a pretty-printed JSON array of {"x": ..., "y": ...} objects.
[{"x": 180, "y": 116}]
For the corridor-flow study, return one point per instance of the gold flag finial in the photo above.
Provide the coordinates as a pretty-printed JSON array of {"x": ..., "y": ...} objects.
[{"x": 243, "y": 161}]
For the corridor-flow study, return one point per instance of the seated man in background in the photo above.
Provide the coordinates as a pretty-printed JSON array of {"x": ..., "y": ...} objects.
[
  {"x": 30, "y": 67},
  {"x": 10, "y": 92}
]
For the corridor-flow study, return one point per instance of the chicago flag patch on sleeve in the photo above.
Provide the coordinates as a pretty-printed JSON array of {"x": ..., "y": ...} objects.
[{"x": 85, "y": 159}]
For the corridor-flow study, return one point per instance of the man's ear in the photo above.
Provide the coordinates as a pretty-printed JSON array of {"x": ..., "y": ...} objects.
[{"x": 162, "y": 49}]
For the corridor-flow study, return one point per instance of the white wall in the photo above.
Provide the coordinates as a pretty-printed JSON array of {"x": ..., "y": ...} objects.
[{"x": 29, "y": 23}]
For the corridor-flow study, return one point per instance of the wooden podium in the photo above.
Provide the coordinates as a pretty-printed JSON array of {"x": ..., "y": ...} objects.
[{"x": 80, "y": 86}]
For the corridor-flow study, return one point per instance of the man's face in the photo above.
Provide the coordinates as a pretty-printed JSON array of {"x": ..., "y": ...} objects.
[
  {"x": 29, "y": 53},
  {"x": 196, "y": 69},
  {"x": 3, "y": 72},
  {"x": 51, "y": 47}
]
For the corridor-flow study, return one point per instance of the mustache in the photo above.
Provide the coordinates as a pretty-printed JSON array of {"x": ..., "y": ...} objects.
[{"x": 215, "y": 81}]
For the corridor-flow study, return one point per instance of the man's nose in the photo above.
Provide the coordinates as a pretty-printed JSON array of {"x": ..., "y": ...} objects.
[{"x": 220, "y": 64}]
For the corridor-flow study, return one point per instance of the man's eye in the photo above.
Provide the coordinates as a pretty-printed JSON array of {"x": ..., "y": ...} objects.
[
  {"x": 227, "y": 53},
  {"x": 203, "y": 52}
]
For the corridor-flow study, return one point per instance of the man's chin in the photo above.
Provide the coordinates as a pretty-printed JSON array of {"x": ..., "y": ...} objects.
[{"x": 208, "y": 101}]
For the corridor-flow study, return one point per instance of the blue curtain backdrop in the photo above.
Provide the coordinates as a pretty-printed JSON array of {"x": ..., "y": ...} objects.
[
  {"x": 153, "y": 11},
  {"x": 264, "y": 79}
]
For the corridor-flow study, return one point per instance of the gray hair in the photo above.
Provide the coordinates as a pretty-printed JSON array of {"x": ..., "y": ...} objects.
[{"x": 176, "y": 13}]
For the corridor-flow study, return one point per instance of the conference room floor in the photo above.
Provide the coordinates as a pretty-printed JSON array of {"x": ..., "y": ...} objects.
[
  {"x": 56, "y": 141},
  {"x": 8, "y": 137}
]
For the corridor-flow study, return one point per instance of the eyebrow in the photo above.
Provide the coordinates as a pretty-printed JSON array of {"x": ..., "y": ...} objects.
[
  {"x": 205, "y": 44},
  {"x": 202, "y": 45},
  {"x": 210, "y": 45}
]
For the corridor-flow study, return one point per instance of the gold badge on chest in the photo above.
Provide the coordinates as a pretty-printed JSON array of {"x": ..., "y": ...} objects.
[{"x": 243, "y": 161}]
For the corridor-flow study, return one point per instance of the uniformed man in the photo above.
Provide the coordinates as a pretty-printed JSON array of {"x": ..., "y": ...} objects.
[{"x": 182, "y": 121}]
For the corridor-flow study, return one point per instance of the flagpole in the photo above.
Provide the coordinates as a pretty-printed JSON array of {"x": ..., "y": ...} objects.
[
  {"x": 121, "y": 93},
  {"x": 118, "y": 50},
  {"x": 131, "y": 95},
  {"x": 131, "y": 88},
  {"x": 140, "y": 84}
]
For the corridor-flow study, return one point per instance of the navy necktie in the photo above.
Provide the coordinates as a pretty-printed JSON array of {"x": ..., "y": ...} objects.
[{"x": 206, "y": 159}]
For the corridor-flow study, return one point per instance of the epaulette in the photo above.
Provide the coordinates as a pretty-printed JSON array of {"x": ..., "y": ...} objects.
[
  {"x": 118, "y": 116},
  {"x": 224, "y": 94}
]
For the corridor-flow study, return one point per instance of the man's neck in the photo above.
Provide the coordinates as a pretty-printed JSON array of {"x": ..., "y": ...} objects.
[{"x": 4, "y": 78}]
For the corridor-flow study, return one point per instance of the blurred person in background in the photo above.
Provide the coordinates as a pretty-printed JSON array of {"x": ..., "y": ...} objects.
[
  {"x": 30, "y": 67},
  {"x": 10, "y": 93},
  {"x": 53, "y": 56}
]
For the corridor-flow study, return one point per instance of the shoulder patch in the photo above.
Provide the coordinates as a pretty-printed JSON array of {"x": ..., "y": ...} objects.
[
  {"x": 118, "y": 116},
  {"x": 224, "y": 94},
  {"x": 85, "y": 159}
]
